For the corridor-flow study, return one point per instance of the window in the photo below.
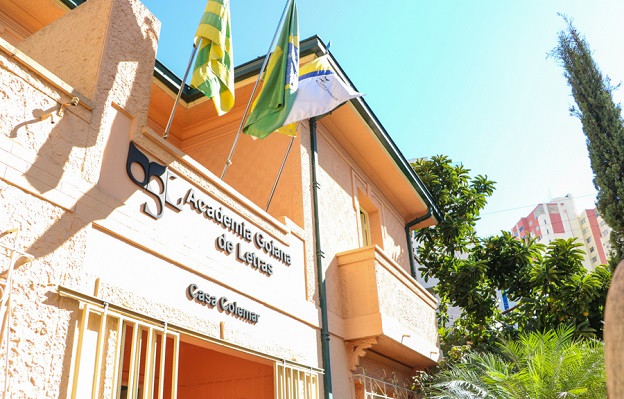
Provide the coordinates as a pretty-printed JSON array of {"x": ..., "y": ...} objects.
[
  {"x": 588, "y": 240},
  {"x": 594, "y": 259},
  {"x": 605, "y": 233},
  {"x": 585, "y": 230},
  {"x": 370, "y": 220},
  {"x": 583, "y": 221},
  {"x": 592, "y": 249},
  {"x": 365, "y": 228},
  {"x": 602, "y": 223},
  {"x": 530, "y": 223}
]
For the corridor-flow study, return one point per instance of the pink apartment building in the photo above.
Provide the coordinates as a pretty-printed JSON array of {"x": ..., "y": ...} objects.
[{"x": 559, "y": 219}]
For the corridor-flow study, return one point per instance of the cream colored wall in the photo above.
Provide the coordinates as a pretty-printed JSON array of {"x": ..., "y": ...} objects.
[
  {"x": 348, "y": 180},
  {"x": 409, "y": 316},
  {"x": 340, "y": 181}
]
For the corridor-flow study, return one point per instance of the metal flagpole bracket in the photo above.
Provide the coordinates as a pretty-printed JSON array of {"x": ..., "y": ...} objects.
[
  {"x": 279, "y": 174},
  {"x": 182, "y": 84}
]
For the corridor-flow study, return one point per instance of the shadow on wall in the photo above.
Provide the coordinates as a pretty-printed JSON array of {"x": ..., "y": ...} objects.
[
  {"x": 39, "y": 115},
  {"x": 123, "y": 64}
]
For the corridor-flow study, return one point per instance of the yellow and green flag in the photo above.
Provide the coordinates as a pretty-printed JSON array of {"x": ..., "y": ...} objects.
[
  {"x": 273, "y": 104},
  {"x": 213, "y": 73}
]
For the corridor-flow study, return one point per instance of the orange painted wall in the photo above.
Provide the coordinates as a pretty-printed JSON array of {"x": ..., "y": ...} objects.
[
  {"x": 204, "y": 373},
  {"x": 207, "y": 374}
]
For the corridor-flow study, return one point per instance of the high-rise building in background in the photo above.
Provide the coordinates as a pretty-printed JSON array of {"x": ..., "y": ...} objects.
[{"x": 559, "y": 219}]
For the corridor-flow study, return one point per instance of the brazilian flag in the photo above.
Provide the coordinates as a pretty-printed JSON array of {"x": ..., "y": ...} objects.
[
  {"x": 213, "y": 73},
  {"x": 281, "y": 79}
]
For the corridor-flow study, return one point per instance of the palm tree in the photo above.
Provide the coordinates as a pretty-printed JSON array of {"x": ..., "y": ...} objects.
[{"x": 548, "y": 365}]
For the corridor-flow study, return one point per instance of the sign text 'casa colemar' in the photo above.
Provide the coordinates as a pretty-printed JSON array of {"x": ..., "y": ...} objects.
[{"x": 222, "y": 304}]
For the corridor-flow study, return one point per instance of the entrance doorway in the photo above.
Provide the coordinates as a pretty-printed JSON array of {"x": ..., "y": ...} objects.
[
  {"x": 119, "y": 355},
  {"x": 209, "y": 374},
  {"x": 204, "y": 370}
]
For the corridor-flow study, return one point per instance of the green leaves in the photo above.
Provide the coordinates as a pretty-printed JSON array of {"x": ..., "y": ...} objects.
[
  {"x": 602, "y": 124},
  {"x": 562, "y": 291},
  {"x": 549, "y": 284},
  {"x": 539, "y": 365}
]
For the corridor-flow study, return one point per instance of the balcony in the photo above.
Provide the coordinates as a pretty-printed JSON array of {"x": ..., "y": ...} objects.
[{"x": 386, "y": 310}]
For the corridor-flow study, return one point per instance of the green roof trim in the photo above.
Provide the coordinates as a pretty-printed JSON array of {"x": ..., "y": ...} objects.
[{"x": 71, "y": 4}]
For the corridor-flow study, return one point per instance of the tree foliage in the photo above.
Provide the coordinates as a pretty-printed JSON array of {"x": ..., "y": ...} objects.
[
  {"x": 552, "y": 364},
  {"x": 549, "y": 283},
  {"x": 602, "y": 124}
]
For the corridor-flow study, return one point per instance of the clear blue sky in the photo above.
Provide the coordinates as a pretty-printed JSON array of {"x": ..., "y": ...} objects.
[{"x": 468, "y": 79}]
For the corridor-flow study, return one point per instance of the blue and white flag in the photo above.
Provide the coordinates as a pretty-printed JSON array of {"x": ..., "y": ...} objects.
[{"x": 320, "y": 91}]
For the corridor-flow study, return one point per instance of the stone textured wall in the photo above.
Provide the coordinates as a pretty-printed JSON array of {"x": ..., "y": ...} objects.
[
  {"x": 401, "y": 301},
  {"x": 42, "y": 323},
  {"x": 72, "y": 48},
  {"x": 35, "y": 156},
  {"x": 340, "y": 181}
]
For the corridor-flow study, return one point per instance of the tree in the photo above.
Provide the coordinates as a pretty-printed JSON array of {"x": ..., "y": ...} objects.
[
  {"x": 537, "y": 365},
  {"x": 549, "y": 283},
  {"x": 460, "y": 198},
  {"x": 557, "y": 290},
  {"x": 602, "y": 124}
]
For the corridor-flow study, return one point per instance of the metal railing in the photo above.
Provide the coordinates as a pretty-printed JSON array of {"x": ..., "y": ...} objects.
[{"x": 390, "y": 388}]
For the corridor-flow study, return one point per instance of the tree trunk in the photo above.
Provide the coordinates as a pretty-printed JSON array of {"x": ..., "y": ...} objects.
[{"x": 614, "y": 335}]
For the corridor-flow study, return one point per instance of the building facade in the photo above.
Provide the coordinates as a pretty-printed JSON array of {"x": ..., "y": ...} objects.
[
  {"x": 560, "y": 219},
  {"x": 133, "y": 267}
]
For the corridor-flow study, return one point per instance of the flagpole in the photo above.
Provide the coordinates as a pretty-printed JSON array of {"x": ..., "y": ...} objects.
[
  {"x": 279, "y": 174},
  {"x": 264, "y": 63},
  {"x": 177, "y": 100}
]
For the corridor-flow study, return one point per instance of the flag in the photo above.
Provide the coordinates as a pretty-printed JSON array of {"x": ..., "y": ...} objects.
[
  {"x": 273, "y": 104},
  {"x": 320, "y": 91},
  {"x": 213, "y": 73}
]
